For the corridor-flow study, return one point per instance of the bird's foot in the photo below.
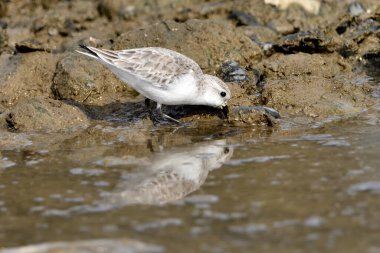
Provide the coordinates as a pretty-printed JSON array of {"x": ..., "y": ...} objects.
[
  {"x": 170, "y": 118},
  {"x": 158, "y": 117}
]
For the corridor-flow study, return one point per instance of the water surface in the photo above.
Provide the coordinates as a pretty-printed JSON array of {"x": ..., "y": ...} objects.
[{"x": 196, "y": 189}]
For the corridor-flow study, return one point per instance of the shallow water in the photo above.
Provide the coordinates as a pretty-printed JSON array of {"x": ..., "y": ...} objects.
[{"x": 196, "y": 189}]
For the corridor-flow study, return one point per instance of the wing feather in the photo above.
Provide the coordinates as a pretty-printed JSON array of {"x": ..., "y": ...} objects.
[{"x": 158, "y": 66}]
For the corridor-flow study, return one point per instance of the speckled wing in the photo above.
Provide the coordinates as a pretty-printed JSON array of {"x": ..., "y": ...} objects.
[{"x": 158, "y": 66}]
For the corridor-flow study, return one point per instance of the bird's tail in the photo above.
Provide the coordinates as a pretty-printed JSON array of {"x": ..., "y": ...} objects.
[
  {"x": 87, "y": 51},
  {"x": 104, "y": 55}
]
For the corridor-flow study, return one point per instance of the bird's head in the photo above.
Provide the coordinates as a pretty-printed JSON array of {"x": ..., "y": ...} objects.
[{"x": 216, "y": 93}]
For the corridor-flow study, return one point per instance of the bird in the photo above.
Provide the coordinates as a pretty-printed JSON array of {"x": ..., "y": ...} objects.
[
  {"x": 169, "y": 175},
  {"x": 163, "y": 75}
]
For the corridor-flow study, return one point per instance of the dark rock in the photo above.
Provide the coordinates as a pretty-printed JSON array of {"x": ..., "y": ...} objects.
[
  {"x": 185, "y": 113},
  {"x": 342, "y": 27},
  {"x": 372, "y": 63},
  {"x": 242, "y": 18},
  {"x": 359, "y": 36},
  {"x": 258, "y": 76},
  {"x": 308, "y": 42},
  {"x": 3, "y": 24},
  {"x": 271, "y": 112},
  {"x": 356, "y": 9},
  {"x": 358, "y": 32},
  {"x": 233, "y": 72},
  {"x": 44, "y": 114},
  {"x": 29, "y": 45},
  {"x": 253, "y": 115}
]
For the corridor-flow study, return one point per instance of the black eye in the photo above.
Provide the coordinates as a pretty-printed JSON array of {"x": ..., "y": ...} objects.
[
  {"x": 226, "y": 150},
  {"x": 223, "y": 94}
]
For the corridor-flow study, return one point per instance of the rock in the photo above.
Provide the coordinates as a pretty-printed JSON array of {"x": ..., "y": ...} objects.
[
  {"x": 65, "y": 18},
  {"x": 117, "y": 8},
  {"x": 281, "y": 26},
  {"x": 253, "y": 115},
  {"x": 362, "y": 30},
  {"x": 25, "y": 75},
  {"x": 315, "y": 86},
  {"x": 29, "y": 45},
  {"x": 311, "y": 6},
  {"x": 315, "y": 97},
  {"x": 261, "y": 34},
  {"x": 242, "y": 18},
  {"x": 308, "y": 42},
  {"x": 270, "y": 111},
  {"x": 356, "y": 9},
  {"x": 302, "y": 64},
  {"x": 360, "y": 35},
  {"x": 44, "y": 114},
  {"x": 85, "y": 80},
  {"x": 372, "y": 63},
  {"x": 232, "y": 72},
  {"x": 207, "y": 42}
]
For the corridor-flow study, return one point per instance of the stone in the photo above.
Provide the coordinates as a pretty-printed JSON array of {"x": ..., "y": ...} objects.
[
  {"x": 231, "y": 71},
  {"x": 44, "y": 114}
]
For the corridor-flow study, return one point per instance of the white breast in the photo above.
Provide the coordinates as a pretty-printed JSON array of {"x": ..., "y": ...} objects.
[{"x": 183, "y": 91}]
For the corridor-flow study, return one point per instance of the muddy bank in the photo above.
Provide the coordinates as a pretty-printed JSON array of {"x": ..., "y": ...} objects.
[{"x": 299, "y": 63}]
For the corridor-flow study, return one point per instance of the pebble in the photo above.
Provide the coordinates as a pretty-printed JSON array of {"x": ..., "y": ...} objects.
[
  {"x": 370, "y": 186},
  {"x": 243, "y": 18},
  {"x": 281, "y": 26},
  {"x": 355, "y": 9},
  {"x": 233, "y": 72}
]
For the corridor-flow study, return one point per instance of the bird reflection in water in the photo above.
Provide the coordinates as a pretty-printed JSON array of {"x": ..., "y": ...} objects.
[{"x": 170, "y": 175}]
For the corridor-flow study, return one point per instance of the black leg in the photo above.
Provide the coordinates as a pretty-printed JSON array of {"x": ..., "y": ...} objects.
[
  {"x": 147, "y": 103},
  {"x": 157, "y": 116}
]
